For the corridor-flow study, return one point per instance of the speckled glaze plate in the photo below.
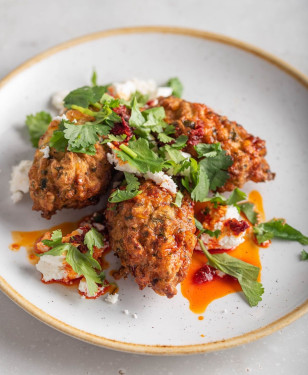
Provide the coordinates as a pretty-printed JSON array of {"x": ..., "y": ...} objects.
[{"x": 248, "y": 85}]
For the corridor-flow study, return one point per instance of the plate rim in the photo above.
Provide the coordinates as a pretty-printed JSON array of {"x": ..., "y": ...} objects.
[{"x": 143, "y": 348}]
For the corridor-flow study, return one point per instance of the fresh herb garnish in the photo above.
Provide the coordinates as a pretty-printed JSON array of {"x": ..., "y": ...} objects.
[
  {"x": 178, "y": 199},
  {"x": 94, "y": 78},
  {"x": 37, "y": 125},
  {"x": 199, "y": 226},
  {"x": 176, "y": 85},
  {"x": 85, "y": 96},
  {"x": 248, "y": 210},
  {"x": 130, "y": 192},
  {"x": 304, "y": 255},
  {"x": 246, "y": 273},
  {"x": 278, "y": 228},
  {"x": 139, "y": 154},
  {"x": 82, "y": 263}
]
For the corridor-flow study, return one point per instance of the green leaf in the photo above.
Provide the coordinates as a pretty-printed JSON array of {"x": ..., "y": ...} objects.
[
  {"x": 56, "y": 250},
  {"x": 136, "y": 118},
  {"x": 85, "y": 96},
  {"x": 145, "y": 159},
  {"x": 58, "y": 141},
  {"x": 93, "y": 238},
  {"x": 180, "y": 142},
  {"x": 130, "y": 192},
  {"x": 208, "y": 150},
  {"x": 247, "y": 274},
  {"x": 202, "y": 185},
  {"x": 56, "y": 239},
  {"x": 178, "y": 199},
  {"x": 37, "y": 125},
  {"x": 199, "y": 225},
  {"x": 215, "y": 233},
  {"x": 216, "y": 169},
  {"x": 94, "y": 78},
  {"x": 83, "y": 264},
  {"x": 164, "y": 138},
  {"x": 278, "y": 228},
  {"x": 304, "y": 255},
  {"x": 236, "y": 196},
  {"x": 176, "y": 85},
  {"x": 248, "y": 210}
]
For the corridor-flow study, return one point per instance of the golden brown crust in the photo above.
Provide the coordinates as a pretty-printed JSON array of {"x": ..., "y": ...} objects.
[
  {"x": 153, "y": 238},
  {"x": 67, "y": 179},
  {"x": 202, "y": 125}
]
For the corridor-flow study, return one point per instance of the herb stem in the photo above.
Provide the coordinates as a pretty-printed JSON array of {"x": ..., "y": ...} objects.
[
  {"x": 128, "y": 151},
  {"x": 85, "y": 111}
]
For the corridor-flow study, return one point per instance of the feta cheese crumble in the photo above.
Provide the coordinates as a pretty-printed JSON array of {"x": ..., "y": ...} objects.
[
  {"x": 112, "y": 298},
  {"x": 126, "y": 89},
  {"x": 163, "y": 180},
  {"x": 19, "y": 183},
  {"x": 227, "y": 239},
  {"x": 57, "y": 100},
  {"x": 83, "y": 288},
  {"x": 119, "y": 164},
  {"x": 52, "y": 267},
  {"x": 62, "y": 117},
  {"x": 45, "y": 151}
]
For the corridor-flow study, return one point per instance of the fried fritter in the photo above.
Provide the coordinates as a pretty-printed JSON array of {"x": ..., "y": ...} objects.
[
  {"x": 202, "y": 125},
  {"x": 153, "y": 238},
  {"x": 67, "y": 179}
]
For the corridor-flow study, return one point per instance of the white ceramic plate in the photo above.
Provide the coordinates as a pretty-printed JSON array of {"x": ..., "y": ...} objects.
[{"x": 254, "y": 88}]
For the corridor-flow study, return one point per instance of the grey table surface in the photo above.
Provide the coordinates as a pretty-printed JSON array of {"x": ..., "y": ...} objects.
[{"x": 28, "y": 27}]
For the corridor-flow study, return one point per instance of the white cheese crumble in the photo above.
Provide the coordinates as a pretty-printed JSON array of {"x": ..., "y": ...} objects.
[
  {"x": 83, "y": 288},
  {"x": 226, "y": 240},
  {"x": 45, "y": 151},
  {"x": 99, "y": 226},
  {"x": 57, "y": 100},
  {"x": 52, "y": 267},
  {"x": 112, "y": 298},
  {"x": 126, "y": 89},
  {"x": 62, "y": 117},
  {"x": 19, "y": 183},
  {"x": 135, "y": 316},
  {"x": 163, "y": 180},
  {"x": 126, "y": 312},
  {"x": 121, "y": 165}
]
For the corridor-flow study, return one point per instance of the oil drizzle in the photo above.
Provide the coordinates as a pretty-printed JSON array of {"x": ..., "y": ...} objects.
[
  {"x": 28, "y": 239},
  {"x": 200, "y": 296}
]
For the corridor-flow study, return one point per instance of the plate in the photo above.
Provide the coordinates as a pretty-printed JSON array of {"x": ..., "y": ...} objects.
[{"x": 246, "y": 84}]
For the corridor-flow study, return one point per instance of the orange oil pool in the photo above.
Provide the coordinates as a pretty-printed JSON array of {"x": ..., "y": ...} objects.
[
  {"x": 27, "y": 239},
  {"x": 200, "y": 296}
]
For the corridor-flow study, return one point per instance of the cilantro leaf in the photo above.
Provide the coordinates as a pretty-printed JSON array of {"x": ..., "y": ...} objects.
[
  {"x": 215, "y": 233},
  {"x": 136, "y": 117},
  {"x": 236, "y": 196},
  {"x": 139, "y": 154},
  {"x": 208, "y": 149},
  {"x": 58, "y": 140},
  {"x": 178, "y": 199},
  {"x": 57, "y": 250},
  {"x": 130, "y": 192},
  {"x": 201, "y": 229},
  {"x": 93, "y": 238},
  {"x": 180, "y": 142},
  {"x": 216, "y": 169},
  {"x": 176, "y": 85},
  {"x": 248, "y": 210},
  {"x": 278, "y": 228},
  {"x": 85, "y": 96},
  {"x": 304, "y": 255},
  {"x": 77, "y": 138},
  {"x": 83, "y": 264},
  {"x": 246, "y": 273},
  {"x": 37, "y": 125},
  {"x": 56, "y": 239},
  {"x": 202, "y": 184}
]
